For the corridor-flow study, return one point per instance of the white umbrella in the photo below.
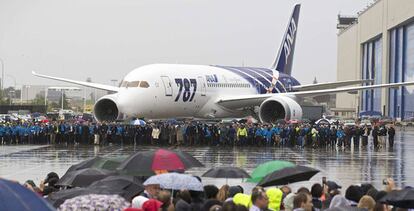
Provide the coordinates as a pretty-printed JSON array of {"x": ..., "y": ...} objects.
[
  {"x": 175, "y": 181},
  {"x": 138, "y": 122}
]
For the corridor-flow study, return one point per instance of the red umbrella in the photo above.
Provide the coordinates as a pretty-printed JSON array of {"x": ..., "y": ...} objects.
[
  {"x": 146, "y": 163},
  {"x": 166, "y": 160}
]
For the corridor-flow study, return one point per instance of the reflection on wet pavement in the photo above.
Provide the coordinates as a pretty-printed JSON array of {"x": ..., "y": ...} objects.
[{"x": 346, "y": 166}]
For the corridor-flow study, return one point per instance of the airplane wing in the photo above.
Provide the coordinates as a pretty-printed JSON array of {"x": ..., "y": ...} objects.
[
  {"x": 87, "y": 84},
  {"x": 330, "y": 85},
  {"x": 237, "y": 102}
]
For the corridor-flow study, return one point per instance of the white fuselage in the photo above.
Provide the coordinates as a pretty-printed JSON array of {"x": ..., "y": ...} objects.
[{"x": 200, "y": 85}]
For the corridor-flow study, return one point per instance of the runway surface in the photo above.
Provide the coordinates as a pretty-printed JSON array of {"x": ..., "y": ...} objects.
[{"x": 345, "y": 166}]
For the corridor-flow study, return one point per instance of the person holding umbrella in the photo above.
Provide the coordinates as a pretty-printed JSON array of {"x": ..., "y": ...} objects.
[{"x": 151, "y": 191}]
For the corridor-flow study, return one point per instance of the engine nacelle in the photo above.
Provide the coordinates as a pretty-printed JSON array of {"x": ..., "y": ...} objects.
[
  {"x": 106, "y": 108},
  {"x": 279, "y": 107}
]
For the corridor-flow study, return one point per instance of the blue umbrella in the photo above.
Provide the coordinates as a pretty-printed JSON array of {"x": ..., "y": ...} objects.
[
  {"x": 14, "y": 196},
  {"x": 172, "y": 121},
  {"x": 138, "y": 122},
  {"x": 175, "y": 181}
]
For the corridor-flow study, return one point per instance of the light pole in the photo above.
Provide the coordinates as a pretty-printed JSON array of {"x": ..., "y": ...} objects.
[
  {"x": 11, "y": 93},
  {"x": 14, "y": 87},
  {"x": 14, "y": 79},
  {"x": 63, "y": 92},
  {"x": 84, "y": 99},
  {"x": 21, "y": 95},
  {"x": 27, "y": 94},
  {"x": 2, "y": 74},
  {"x": 46, "y": 97}
]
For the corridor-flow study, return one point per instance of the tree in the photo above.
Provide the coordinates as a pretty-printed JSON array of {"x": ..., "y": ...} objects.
[
  {"x": 58, "y": 105},
  {"x": 39, "y": 100}
]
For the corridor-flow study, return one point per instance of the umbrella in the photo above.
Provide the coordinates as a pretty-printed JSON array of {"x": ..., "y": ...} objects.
[
  {"x": 266, "y": 168},
  {"x": 84, "y": 164},
  {"x": 288, "y": 175},
  {"x": 126, "y": 186},
  {"x": 83, "y": 177},
  {"x": 98, "y": 162},
  {"x": 226, "y": 172},
  {"x": 293, "y": 121},
  {"x": 57, "y": 198},
  {"x": 400, "y": 198},
  {"x": 322, "y": 121},
  {"x": 95, "y": 202},
  {"x": 138, "y": 122},
  {"x": 145, "y": 163},
  {"x": 175, "y": 181},
  {"x": 14, "y": 196},
  {"x": 172, "y": 121},
  {"x": 109, "y": 163}
]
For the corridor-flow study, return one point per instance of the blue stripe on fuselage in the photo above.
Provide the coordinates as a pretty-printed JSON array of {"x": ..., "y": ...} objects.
[
  {"x": 247, "y": 76},
  {"x": 255, "y": 75}
]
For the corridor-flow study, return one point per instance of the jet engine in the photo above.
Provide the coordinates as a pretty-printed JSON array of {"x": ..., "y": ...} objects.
[
  {"x": 279, "y": 107},
  {"x": 106, "y": 108}
]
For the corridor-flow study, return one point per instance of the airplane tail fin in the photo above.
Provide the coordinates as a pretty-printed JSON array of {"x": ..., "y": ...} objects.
[{"x": 284, "y": 59}]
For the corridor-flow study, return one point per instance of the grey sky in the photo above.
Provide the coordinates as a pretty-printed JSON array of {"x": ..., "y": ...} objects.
[{"x": 105, "y": 39}]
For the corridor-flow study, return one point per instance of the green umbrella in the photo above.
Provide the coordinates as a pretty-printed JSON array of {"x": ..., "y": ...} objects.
[
  {"x": 266, "y": 168},
  {"x": 109, "y": 163}
]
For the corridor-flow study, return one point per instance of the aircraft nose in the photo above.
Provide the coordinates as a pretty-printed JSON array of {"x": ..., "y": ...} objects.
[{"x": 128, "y": 101}]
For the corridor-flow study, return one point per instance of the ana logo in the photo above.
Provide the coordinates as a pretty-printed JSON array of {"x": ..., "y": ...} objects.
[
  {"x": 212, "y": 78},
  {"x": 290, "y": 38}
]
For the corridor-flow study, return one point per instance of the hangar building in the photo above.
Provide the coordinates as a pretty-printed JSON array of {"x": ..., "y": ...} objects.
[{"x": 377, "y": 44}]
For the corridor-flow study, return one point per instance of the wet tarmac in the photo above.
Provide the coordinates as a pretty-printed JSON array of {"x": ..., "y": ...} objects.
[{"x": 345, "y": 166}]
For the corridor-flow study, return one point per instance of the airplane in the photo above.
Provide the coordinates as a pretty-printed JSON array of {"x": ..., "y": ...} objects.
[{"x": 164, "y": 91}]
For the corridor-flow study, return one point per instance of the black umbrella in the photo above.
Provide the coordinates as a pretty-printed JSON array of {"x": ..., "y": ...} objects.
[
  {"x": 288, "y": 175},
  {"x": 83, "y": 177},
  {"x": 400, "y": 198},
  {"x": 88, "y": 163},
  {"x": 98, "y": 162},
  {"x": 146, "y": 163},
  {"x": 226, "y": 172},
  {"x": 128, "y": 186}
]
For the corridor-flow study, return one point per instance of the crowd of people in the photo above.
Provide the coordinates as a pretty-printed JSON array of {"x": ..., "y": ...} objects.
[
  {"x": 320, "y": 196},
  {"x": 196, "y": 134}
]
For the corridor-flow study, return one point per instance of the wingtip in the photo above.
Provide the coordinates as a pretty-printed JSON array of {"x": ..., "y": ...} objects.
[{"x": 33, "y": 72}]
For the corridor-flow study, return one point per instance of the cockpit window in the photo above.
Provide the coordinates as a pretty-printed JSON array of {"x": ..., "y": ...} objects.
[
  {"x": 133, "y": 84},
  {"x": 124, "y": 83},
  {"x": 144, "y": 84}
]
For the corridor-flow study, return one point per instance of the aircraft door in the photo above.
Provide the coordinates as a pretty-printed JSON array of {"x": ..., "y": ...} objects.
[
  {"x": 167, "y": 86},
  {"x": 202, "y": 83}
]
